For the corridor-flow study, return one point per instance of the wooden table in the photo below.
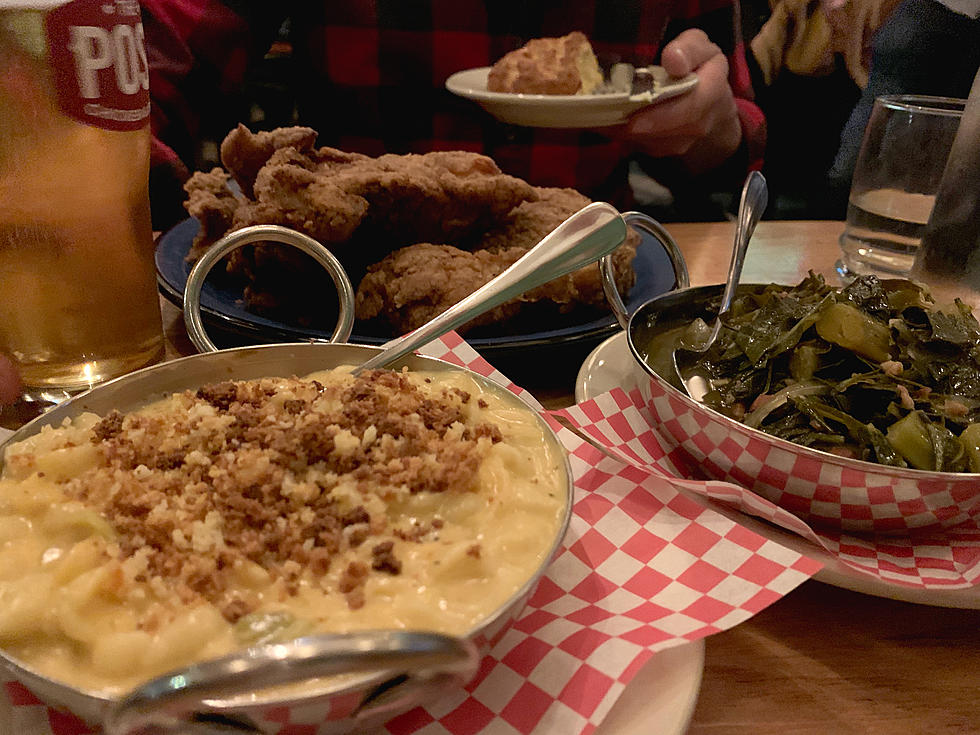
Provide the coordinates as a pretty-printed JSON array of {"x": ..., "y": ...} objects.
[
  {"x": 781, "y": 252},
  {"x": 822, "y": 660}
]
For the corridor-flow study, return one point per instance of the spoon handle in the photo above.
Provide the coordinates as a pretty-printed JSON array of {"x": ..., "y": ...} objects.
[
  {"x": 581, "y": 239},
  {"x": 752, "y": 204}
]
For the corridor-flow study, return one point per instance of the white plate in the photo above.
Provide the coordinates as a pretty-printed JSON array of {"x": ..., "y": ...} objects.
[
  {"x": 660, "y": 699},
  {"x": 610, "y": 365},
  {"x": 560, "y": 110}
]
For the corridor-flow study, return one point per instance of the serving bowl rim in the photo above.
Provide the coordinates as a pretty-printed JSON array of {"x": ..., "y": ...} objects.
[
  {"x": 691, "y": 294},
  {"x": 90, "y": 700}
]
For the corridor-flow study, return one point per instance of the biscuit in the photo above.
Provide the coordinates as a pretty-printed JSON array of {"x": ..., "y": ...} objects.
[{"x": 565, "y": 65}]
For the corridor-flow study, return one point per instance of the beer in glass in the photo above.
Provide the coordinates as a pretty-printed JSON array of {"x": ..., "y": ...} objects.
[{"x": 78, "y": 298}]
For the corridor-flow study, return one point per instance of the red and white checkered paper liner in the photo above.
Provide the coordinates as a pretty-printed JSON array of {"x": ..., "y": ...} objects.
[
  {"x": 644, "y": 567},
  {"x": 621, "y": 424}
]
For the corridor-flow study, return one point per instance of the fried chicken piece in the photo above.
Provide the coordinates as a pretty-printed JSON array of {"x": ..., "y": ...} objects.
[
  {"x": 243, "y": 152},
  {"x": 414, "y": 284},
  {"x": 327, "y": 157},
  {"x": 433, "y": 197},
  {"x": 585, "y": 284},
  {"x": 281, "y": 281},
  {"x": 530, "y": 222},
  {"x": 307, "y": 201},
  {"x": 328, "y": 193},
  {"x": 213, "y": 204},
  {"x": 263, "y": 261},
  {"x": 419, "y": 282},
  {"x": 288, "y": 192}
]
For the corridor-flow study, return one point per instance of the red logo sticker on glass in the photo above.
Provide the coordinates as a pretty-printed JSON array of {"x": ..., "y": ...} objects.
[{"x": 99, "y": 62}]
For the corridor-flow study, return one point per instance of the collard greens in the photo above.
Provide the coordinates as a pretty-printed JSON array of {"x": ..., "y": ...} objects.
[{"x": 873, "y": 371}]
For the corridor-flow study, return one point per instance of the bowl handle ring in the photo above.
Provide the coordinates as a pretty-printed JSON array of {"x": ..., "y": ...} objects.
[
  {"x": 647, "y": 224},
  {"x": 260, "y": 233}
]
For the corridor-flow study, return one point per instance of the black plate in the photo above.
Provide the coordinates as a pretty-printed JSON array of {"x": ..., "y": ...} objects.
[{"x": 222, "y": 308}]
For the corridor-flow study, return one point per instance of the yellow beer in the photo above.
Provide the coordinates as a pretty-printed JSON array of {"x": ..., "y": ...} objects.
[{"x": 78, "y": 298}]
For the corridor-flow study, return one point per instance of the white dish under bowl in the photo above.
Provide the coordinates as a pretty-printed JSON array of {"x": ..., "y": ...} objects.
[{"x": 561, "y": 110}]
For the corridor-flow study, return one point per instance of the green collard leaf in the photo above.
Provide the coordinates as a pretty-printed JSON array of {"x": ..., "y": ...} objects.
[{"x": 957, "y": 329}]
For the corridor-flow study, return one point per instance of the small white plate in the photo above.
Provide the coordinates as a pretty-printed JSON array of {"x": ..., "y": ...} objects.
[
  {"x": 661, "y": 697},
  {"x": 610, "y": 365},
  {"x": 560, "y": 110}
]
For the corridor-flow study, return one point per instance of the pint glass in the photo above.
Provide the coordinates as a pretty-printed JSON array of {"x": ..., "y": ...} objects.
[{"x": 78, "y": 298}]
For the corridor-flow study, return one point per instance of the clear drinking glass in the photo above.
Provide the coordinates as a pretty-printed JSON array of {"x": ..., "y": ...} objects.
[{"x": 903, "y": 154}]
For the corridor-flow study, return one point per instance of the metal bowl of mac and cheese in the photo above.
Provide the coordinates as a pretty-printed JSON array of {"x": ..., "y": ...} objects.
[{"x": 332, "y": 682}]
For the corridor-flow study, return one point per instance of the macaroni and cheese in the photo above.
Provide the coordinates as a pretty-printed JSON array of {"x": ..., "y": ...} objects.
[{"x": 257, "y": 511}]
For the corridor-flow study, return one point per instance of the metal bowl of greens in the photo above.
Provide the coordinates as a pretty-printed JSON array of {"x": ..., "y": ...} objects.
[{"x": 857, "y": 408}]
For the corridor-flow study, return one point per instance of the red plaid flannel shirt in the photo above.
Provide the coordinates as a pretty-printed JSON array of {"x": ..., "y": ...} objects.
[{"x": 372, "y": 72}]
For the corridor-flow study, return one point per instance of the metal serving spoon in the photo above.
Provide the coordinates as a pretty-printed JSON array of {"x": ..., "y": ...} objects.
[
  {"x": 583, "y": 238},
  {"x": 755, "y": 197}
]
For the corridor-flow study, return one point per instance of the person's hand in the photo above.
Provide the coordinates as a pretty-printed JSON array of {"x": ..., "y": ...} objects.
[
  {"x": 700, "y": 127},
  {"x": 10, "y": 386}
]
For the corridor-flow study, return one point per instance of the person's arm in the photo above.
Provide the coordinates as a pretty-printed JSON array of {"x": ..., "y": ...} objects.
[
  {"x": 718, "y": 121},
  {"x": 701, "y": 128},
  {"x": 198, "y": 52},
  {"x": 923, "y": 47}
]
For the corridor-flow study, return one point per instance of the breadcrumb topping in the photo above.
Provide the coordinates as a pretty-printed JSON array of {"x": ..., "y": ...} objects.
[{"x": 283, "y": 473}]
